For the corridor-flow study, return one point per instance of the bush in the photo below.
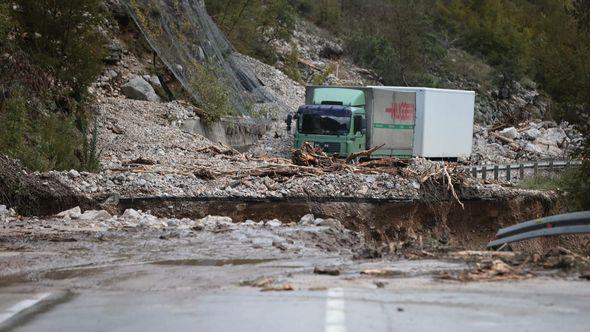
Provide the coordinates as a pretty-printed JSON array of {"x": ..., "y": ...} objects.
[
  {"x": 292, "y": 65},
  {"x": 492, "y": 29},
  {"x": 572, "y": 187},
  {"x": 214, "y": 93},
  {"x": 52, "y": 52},
  {"x": 62, "y": 37},
  {"x": 253, "y": 25},
  {"x": 42, "y": 141}
]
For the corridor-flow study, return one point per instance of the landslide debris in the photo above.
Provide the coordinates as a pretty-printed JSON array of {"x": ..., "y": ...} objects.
[{"x": 33, "y": 193}]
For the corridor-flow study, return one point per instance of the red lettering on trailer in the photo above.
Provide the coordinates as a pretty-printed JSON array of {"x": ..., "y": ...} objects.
[{"x": 402, "y": 111}]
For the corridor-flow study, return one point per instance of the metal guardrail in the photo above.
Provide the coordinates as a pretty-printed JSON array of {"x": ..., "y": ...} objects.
[
  {"x": 518, "y": 170},
  {"x": 563, "y": 224}
]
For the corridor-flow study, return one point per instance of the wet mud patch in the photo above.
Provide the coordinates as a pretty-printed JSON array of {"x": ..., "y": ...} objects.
[{"x": 211, "y": 262}]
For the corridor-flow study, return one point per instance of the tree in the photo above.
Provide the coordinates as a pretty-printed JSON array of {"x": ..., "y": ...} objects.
[
  {"x": 581, "y": 11},
  {"x": 62, "y": 37}
]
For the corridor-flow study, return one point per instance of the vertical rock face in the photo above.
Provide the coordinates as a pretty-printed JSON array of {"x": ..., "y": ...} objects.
[{"x": 139, "y": 89}]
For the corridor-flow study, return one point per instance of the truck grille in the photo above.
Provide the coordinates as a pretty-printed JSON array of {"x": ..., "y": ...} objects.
[{"x": 328, "y": 147}]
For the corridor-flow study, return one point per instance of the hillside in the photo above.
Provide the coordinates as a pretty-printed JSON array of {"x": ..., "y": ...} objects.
[{"x": 221, "y": 89}]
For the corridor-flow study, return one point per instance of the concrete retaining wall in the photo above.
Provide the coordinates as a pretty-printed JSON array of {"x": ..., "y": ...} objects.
[{"x": 238, "y": 133}]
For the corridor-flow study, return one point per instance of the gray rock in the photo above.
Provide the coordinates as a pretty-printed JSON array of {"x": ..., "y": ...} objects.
[
  {"x": 3, "y": 213},
  {"x": 307, "y": 220},
  {"x": 73, "y": 173},
  {"x": 532, "y": 134},
  {"x": 510, "y": 132},
  {"x": 154, "y": 81},
  {"x": 73, "y": 213},
  {"x": 95, "y": 215},
  {"x": 556, "y": 136},
  {"x": 332, "y": 51},
  {"x": 131, "y": 214},
  {"x": 216, "y": 223},
  {"x": 139, "y": 89},
  {"x": 274, "y": 223},
  {"x": 330, "y": 222}
]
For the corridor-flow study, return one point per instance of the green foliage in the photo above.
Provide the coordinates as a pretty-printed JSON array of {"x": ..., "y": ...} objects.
[
  {"x": 580, "y": 9},
  {"x": 292, "y": 64},
  {"x": 41, "y": 141},
  {"x": 54, "y": 53},
  {"x": 62, "y": 38},
  {"x": 6, "y": 24},
  {"x": 253, "y": 25},
  {"x": 397, "y": 41},
  {"x": 572, "y": 186},
  {"x": 321, "y": 78},
  {"x": 214, "y": 92},
  {"x": 325, "y": 13},
  {"x": 492, "y": 29}
]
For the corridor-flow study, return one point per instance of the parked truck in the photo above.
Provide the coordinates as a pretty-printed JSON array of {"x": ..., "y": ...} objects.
[{"x": 408, "y": 122}]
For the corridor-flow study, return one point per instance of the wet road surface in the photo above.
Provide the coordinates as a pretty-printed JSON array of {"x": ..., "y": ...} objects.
[{"x": 162, "y": 298}]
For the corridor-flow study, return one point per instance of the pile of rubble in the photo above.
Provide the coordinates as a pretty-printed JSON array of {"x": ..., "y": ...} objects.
[
  {"x": 532, "y": 140},
  {"x": 132, "y": 218}
]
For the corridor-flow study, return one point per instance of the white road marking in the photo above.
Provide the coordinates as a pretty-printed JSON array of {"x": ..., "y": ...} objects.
[
  {"x": 335, "y": 316},
  {"x": 21, "y": 306}
]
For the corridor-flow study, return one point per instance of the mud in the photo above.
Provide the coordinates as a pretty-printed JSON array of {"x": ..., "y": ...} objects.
[
  {"x": 32, "y": 193},
  {"x": 381, "y": 221}
]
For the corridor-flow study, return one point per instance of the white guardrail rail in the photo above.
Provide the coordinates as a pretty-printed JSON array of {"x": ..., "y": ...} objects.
[{"x": 520, "y": 170}]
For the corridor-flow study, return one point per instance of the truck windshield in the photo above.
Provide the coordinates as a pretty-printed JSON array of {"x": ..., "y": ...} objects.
[{"x": 324, "y": 125}]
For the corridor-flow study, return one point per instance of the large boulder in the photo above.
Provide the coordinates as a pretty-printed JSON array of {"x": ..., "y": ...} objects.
[
  {"x": 556, "y": 136},
  {"x": 510, "y": 133},
  {"x": 139, "y": 89},
  {"x": 332, "y": 51}
]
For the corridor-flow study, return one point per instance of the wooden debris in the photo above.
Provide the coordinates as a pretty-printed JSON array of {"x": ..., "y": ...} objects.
[
  {"x": 206, "y": 174},
  {"x": 503, "y": 139},
  {"x": 381, "y": 272},
  {"x": 307, "y": 155},
  {"x": 139, "y": 161},
  {"x": 278, "y": 288},
  {"x": 451, "y": 188},
  {"x": 365, "y": 153},
  {"x": 326, "y": 271}
]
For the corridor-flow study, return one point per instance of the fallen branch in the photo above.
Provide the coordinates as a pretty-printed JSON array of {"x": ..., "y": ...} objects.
[
  {"x": 503, "y": 139},
  {"x": 365, "y": 153},
  {"x": 451, "y": 187}
]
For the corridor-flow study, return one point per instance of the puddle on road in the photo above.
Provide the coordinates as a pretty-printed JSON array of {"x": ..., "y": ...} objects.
[{"x": 211, "y": 262}]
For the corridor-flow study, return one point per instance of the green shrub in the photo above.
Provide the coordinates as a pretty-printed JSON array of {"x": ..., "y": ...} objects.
[
  {"x": 292, "y": 65},
  {"x": 253, "y": 25},
  {"x": 214, "y": 92},
  {"x": 62, "y": 37},
  {"x": 42, "y": 141},
  {"x": 321, "y": 78},
  {"x": 55, "y": 53}
]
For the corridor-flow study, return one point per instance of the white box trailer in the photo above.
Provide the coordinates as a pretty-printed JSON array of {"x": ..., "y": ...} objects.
[
  {"x": 443, "y": 124},
  {"x": 406, "y": 121}
]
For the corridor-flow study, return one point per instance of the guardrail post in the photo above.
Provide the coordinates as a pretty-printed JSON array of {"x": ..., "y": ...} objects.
[
  {"x": 508, "y": 177},
  {"x": 521, "y": 171},
  {"x": 496, "y": 171},
  {"x": 551, "y": 166},
  {"x": 474, "y": 172},
  {"x": 535, "y": 168},
  {"x": 568, "y": 164},
  {"x": 484, "y": 171}
]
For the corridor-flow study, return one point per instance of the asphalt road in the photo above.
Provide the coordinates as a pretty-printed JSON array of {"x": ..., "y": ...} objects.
[{"x": 409, "y": 304}]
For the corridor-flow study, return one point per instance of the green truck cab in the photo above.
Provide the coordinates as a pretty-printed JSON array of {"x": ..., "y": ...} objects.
[{"x": 335, "y": 121}]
